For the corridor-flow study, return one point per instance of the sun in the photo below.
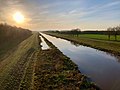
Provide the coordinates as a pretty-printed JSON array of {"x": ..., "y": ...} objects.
[{"x": 18, "y": 17}]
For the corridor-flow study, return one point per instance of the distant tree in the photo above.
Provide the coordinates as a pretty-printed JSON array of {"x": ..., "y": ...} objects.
[
  {"x": 118, "y": 30},
  {"x": 114, "y": 30},
  {"x": 109, "y": 32},
  {"x": 76, "y": 31}
]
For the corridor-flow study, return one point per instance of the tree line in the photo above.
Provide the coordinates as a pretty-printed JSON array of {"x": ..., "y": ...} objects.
[
  {"x": 111, "y": 31},
  {"x": 74, "y": 32},
  {"x": 10, "y": 33}
]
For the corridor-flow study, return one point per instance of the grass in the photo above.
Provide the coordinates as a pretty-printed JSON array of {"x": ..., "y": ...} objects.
[
  {"x": 12, "y": 67},
  {"x": 10, "y": 37},
  {"x": 53, "y": 70},
  {"x": 28, "y": 67},
  {"x": 104, "y": 45},
  {"x": 99, "y": 37}
]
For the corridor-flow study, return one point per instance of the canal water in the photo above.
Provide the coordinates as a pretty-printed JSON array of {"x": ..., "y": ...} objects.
[
  {"x": 103, "y": 68},
  {"x": 44, "y": 44}
]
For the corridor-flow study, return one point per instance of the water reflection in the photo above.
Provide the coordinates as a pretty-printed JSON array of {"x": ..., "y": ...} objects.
[
  {"x": 44, "y": 44},
  {"x": 77, "y": 45},
  {"x": 100, "y": 66},
  {"x": 74, "y": 43}
]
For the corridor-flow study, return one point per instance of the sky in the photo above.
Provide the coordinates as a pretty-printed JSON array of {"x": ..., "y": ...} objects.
[{"x": 62, "y": 14}]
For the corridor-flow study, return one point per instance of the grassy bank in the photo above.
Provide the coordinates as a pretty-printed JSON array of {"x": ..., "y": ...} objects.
[
  {"x": 53, "y": 70},
  {"x": 104, "y": 45},
  {"x": 14, "y": 67}
]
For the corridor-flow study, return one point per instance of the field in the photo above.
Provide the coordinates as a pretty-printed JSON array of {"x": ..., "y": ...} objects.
[
  {"x": 28, "y": 67},
  {"x": 14, "y": 67},
  {"x": 99, "y": 37},
  {"x": 94, "y": 41}
]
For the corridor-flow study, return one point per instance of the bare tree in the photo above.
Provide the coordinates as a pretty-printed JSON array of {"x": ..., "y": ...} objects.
[
  {"x": 109, "y": 32},
  {"x": 118, "y": 30},
  {"x": 115, "y": 32}
]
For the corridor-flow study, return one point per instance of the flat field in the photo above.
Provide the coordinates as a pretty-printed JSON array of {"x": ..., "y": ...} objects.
[{"x": 100, "y": 37}]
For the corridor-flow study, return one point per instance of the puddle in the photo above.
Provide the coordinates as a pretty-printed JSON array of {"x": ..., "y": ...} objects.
[{"x": 44, "y": 44}]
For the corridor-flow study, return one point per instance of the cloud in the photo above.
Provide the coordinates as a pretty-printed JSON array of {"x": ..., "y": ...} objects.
[
  {"x": 61, "y": 12},
  {"x": 97, "y": 10}
]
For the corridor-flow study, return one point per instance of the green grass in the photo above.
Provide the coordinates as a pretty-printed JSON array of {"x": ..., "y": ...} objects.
[{"x": 100, "y": 37}]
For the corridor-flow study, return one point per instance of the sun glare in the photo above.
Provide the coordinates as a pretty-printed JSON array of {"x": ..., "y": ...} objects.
[{"x": 18, "y": 17}]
